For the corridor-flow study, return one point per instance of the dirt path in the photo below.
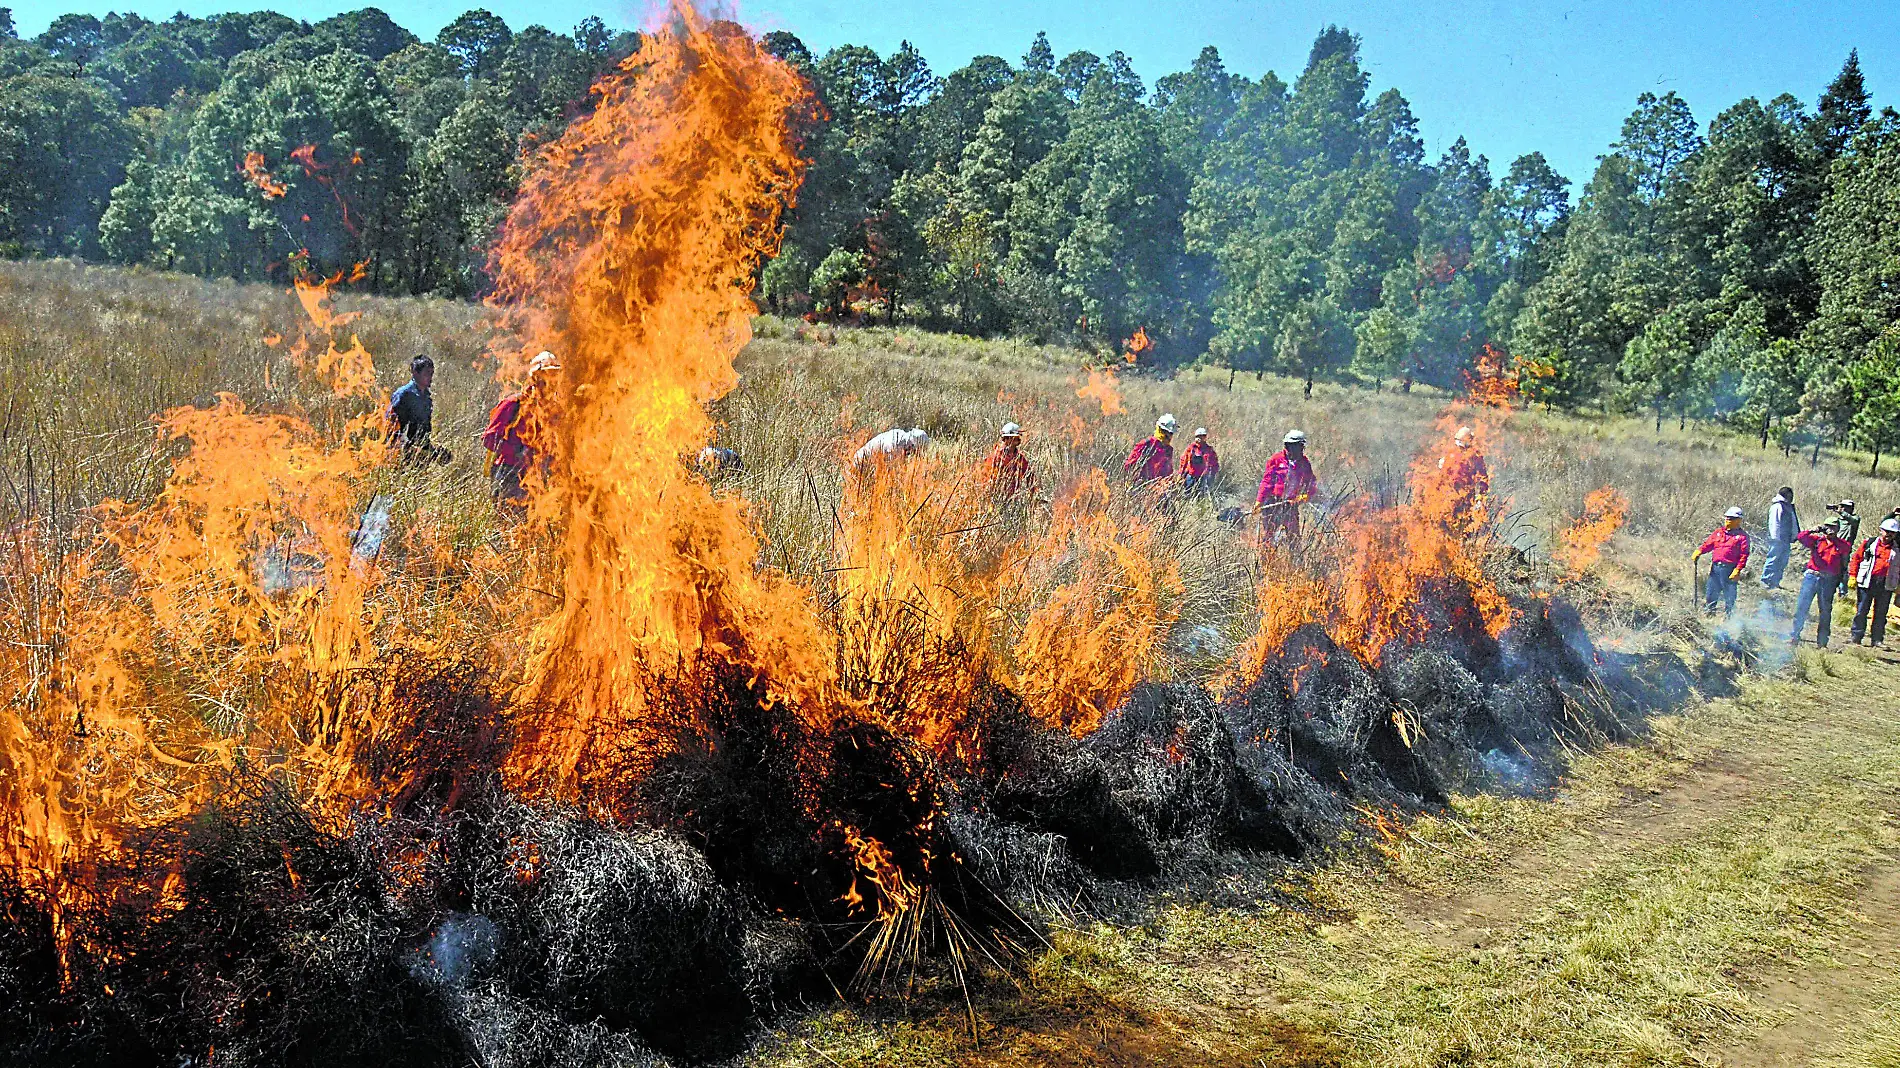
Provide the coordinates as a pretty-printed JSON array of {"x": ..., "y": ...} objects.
[
  {"x": 1531, "y": 879},
  {"x": 1819, "y": 1005},
  {"x": 1823, "y": 1005}
]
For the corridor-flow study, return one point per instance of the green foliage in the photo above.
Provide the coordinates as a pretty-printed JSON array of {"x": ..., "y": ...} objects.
[
  {"x": 1874, "y": 382},
  {"x": 834, "y": 280},
  {"x": 63, "y": 148},
  {"x": 478, "y": 40},
  {"x": 785, "y": 284},
  {"x": 1742, "y": 272}
]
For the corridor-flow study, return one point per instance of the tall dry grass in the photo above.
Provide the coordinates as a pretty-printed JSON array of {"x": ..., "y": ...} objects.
[{"x": 88, "y": 355}]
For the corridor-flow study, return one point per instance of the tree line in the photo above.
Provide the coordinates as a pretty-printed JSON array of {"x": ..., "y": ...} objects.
[{"x": 1746, "y": 271}]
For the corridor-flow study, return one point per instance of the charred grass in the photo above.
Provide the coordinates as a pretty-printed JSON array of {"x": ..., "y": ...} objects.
[{"x": 1653, "y": 957}]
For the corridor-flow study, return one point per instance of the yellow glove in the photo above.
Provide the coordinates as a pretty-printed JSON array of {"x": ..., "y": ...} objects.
[{"x": 1695, "y": 557}]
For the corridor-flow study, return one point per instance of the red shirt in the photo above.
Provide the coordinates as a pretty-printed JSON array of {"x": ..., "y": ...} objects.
[
  {"x": 1883, "y": 557},
  {"x": 1008, "y": 471},
  {"x": 1151, "y": 458},
  {"x": 508, "y": 435},
  {"x": 1727, "y": 546},
  {"x": 1287, "y": 479},
  {"x": 1466, "y": 471},
  {"x": 1199, "y": 460},
  {"x": 1826, "y": 553}
]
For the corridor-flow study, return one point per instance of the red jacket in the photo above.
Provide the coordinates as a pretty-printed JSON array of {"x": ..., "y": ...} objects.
[
  {"x": 507, "y": 434},
  {"x": 1287, "y": 479},
  {"x": 1826, "y": 553},
  {"x": 1466, "y": 472},
  {"x": 1151, "y": 458},
  {"x": 1727, "y": 546},
  {"x": 1008, "y": 472},
  {"x": 1199, "y": 460},
  {"x": 1874, "y": 564}
]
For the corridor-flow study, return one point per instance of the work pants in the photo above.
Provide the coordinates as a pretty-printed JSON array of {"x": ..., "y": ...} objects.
[
  {"x": 1774, "y": 565},
  {"x": 1277, "y": 518},
  {"x": 1720, "y": 589},
  {"x": 1874, "y": 601},
  {"x": 1817, "y": 590}
]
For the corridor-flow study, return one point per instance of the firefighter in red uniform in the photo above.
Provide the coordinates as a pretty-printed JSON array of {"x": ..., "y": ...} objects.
[
  {"x": 1007, "y": 469},
  {"x": 513, "y": 432},
  {"x": 1287, "y": 484},
  {"x": 1153, "y": 457},
  {"x": 1468, "y": 478},
  {"x": 1199, "y": 464}
]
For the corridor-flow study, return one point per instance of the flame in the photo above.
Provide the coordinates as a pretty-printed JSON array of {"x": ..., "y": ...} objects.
[
  {"x": 226, "y": 624},
  {"x": 347, "y": 372},
  {"x": 1493, "y": 379},
  {"x": 1379, "y": 577},
  {"x": 629, "y": 253},
  {"x": 1581, "y": 545},
  {"x": 327, "y": 176},
  {"x": 1104, "y": 389},
  {"x": 254, "y": 169},
  {"x": 230, "y": 622},
  {"x": 1137, "y": 345},
  {"x": 1105, "y": 592},
  {"x": 892, "y": 893}
]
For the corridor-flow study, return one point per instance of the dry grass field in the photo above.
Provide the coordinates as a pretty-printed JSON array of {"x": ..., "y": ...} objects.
[{"x": 1722, "y": 893}]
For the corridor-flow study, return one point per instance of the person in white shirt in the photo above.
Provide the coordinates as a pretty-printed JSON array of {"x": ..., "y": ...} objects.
[
  {"x": 1783, "y": 525},
  {"x": 892, "y": 445}
]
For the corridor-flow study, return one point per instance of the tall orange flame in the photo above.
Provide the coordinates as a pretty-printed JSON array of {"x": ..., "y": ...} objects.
[
  {"x": 629, "y": 253},
  {"x": 1383, "y": 576}
]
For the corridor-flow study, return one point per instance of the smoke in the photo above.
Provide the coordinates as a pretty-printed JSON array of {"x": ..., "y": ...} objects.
[{"x": 463, "y": 945}]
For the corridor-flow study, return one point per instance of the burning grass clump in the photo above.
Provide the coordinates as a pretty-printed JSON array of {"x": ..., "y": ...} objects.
[
  {"x": 729, "y": 854},
  {"x": 1175, "y": 779}
]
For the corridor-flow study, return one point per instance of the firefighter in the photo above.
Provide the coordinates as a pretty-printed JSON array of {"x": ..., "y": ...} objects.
[
  {"x": 512, "y": 437},
  {"x": 1828, "y": 549},
  {"x": 1468, "y": 478},
  {"x": 1200, "y": 464},
  {"x": 1007, "y": 469},
  {"x": 1287, "y": 483},
  {"x": 1153, "y": 457},
  {"x": 717, "y": 460},
  {"x": 1876, "y": 574},
  {"x": 892, "y": 445},
  {"x": 1727, "y": 546},
  {"x": 1850, "y": 529},
  {"x": 1783, "y": 525}
]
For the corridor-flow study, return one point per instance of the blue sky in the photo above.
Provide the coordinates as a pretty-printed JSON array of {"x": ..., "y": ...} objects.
[{"x": 1511, "y": 77}]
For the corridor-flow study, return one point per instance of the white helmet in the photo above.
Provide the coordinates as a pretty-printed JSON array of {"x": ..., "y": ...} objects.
[
  {"x": 1890, "y": 525},
  {"x": 1294, "y": 437},
  {"x": 1200, "y": 431},
  {"x": 1167, "y": 423},
  {"x": 1011, "y": 430},
  {"x": 545, "y": 361},
  {"x": 1464, "y": 437},
  {"x": 1847, "y": 504},
  {"x": 1733, "y": 513}
]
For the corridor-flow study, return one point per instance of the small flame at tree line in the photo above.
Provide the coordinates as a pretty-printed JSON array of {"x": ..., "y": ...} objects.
[
  {"x": 1137, "y": 345},
  {"x": 255, "y": 169},
  {"x": 225, "y": 628}
]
